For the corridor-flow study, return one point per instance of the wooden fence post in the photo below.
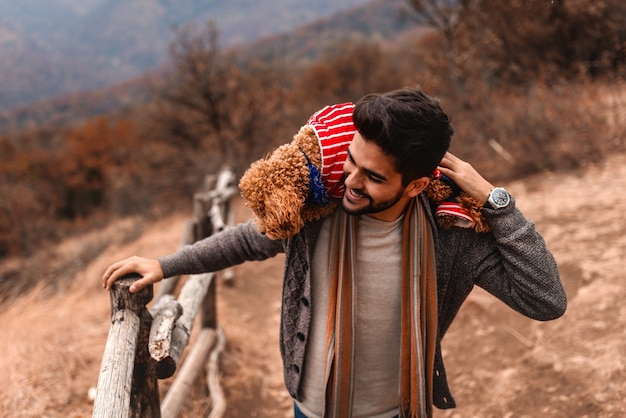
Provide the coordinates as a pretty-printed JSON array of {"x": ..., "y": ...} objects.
[
  {"x": 136, "y": 354},
  {"x": 209, "y": 307},
  {"x": 127, "y": 385}
]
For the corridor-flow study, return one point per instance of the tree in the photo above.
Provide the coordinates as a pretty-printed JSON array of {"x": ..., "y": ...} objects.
[
  {"x": 352, "y": 70},
  {"x": 210, "y": 103},
  {"x": 446, "y": 17},
  {"x": 514, "y": 41}
]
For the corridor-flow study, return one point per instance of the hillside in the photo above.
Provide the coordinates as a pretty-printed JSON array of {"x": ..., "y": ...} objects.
[
  {"x": 379, "y": 19},
  {"x": 499, "y": 363},
  {"x": 28, "y": 73}
]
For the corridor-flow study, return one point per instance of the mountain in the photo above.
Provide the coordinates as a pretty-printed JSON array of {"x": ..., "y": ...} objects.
[
  {"x": 383, "y": 20},
  {"x": 378, "y": 19},
  {"x": 55, "y": 47}
]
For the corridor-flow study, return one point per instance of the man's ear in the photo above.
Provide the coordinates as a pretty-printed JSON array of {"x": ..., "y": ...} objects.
[{"x": 416, "y": 186}]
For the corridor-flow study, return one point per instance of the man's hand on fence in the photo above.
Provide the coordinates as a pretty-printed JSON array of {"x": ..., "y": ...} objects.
[{"x": 149, "y": 270}]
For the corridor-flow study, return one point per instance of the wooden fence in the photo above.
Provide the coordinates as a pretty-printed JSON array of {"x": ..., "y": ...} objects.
[{"x": 145, "y": 345}]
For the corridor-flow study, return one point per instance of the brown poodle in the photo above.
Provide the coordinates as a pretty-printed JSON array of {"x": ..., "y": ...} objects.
[{"x": 300, "y": 181}]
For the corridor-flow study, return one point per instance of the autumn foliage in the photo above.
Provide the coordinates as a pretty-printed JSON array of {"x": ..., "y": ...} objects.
[{"x": 530, "y": 86}]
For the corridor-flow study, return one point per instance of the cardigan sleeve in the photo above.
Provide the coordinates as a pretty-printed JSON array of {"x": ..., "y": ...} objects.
[
  {"x": 222, "y": 250},
  {"x": 514, "y": 264}
]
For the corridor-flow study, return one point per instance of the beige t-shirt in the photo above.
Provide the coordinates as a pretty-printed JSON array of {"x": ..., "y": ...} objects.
[{"x": 379, "y": 277}]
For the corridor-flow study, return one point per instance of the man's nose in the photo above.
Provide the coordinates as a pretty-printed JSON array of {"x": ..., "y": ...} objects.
[{"x": 353, "y": 179}]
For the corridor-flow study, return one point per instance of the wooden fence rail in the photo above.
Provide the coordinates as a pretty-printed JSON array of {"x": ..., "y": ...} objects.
[{"x": 146, "y": 345}]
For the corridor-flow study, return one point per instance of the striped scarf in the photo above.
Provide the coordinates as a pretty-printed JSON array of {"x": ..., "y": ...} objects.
[{"x": 418, "y": 316}]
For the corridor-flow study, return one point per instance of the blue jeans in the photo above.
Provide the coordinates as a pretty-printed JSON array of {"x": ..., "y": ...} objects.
[{"x": 297, "y": 413}]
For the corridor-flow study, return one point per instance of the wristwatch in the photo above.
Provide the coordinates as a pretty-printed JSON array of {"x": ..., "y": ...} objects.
[{"x": 499, "y": 198}]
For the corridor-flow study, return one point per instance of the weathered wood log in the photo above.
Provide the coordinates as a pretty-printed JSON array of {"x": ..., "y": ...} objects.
[
  {"x": 166, "y": 288},
  {"x": 219, "y": 208},
  {"x": 126, "y": 386},
  {"x": 210, "y": 208},
  {"x": 168, "y": 311},
  {"x": 193, "y": 365},
  {"x": 191, "y": 296},
  {"x": 215, "y": 213},
  {"x": 220, "y": 216},
  {"x": 218, "y": 409},
  {"x": 228, "y": 275},
  {"x": 225, "y": 179},
  {"x": 208, "y": 315},
  {"x": 144, "y": 395},
  {"x": 202, "y": 222}
]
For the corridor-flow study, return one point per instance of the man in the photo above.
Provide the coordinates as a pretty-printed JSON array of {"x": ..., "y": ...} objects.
[{"x": 370, "y": 291}]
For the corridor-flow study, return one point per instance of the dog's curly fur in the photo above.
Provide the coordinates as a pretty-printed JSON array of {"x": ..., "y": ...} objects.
[
  {"x": 276, "y": 188},
  {"x": 437, "y": 192}
]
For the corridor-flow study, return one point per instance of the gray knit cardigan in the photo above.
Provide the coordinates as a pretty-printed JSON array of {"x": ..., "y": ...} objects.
[{"x": 511, "y": 262}]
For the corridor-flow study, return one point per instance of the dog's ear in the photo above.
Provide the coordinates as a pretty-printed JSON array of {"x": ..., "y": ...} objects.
[
  {"x": 441, "y": 192},
  {"x": 276, "y": 189},
  {"x": 283, "y": 212},
  {"x": 253, "y": 187},
  {"x": 437, "y": 191},
  {"x": 475, "y": 209},
  {"x": 252, "y": 183}
]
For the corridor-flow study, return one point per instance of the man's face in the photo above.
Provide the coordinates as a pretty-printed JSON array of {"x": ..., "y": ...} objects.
[{"x": 373, "y": 186}]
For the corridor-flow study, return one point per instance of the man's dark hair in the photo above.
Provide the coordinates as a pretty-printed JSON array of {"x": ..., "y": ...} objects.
[{"x": 407, "y": 125}]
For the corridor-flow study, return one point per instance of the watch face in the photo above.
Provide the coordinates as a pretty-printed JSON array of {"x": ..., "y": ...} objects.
[{"x": 499, "y": 198}]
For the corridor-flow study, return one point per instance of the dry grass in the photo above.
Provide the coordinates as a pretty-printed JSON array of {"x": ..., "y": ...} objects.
[
  {"x": 54, "y": 353},
  {"x": 546, "y": 128},
  {"x": 54, "y": 342}
]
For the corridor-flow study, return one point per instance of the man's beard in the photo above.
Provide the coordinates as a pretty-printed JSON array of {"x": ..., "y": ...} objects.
[{"x": 372, "y": 207}]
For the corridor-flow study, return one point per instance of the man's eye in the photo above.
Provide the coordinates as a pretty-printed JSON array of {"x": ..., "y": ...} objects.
[{"x": 376, "y": 179}]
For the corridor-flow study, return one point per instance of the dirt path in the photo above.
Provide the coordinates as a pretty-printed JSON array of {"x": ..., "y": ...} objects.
[{"x": 500, "y": 364}]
